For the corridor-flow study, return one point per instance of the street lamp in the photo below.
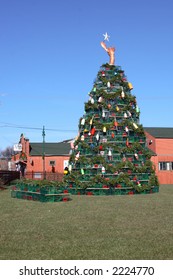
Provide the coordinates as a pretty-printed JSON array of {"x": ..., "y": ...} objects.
[{"x": 43, "y": 153}]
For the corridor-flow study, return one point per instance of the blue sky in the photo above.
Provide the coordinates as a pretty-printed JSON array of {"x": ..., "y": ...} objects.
[{"x": 50, "y": 54}]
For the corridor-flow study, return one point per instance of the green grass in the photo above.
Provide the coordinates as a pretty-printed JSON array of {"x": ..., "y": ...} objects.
[{"x": 88, "y": 227}]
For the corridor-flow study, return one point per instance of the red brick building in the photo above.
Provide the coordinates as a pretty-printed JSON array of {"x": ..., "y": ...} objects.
[
  {"x": 56, "y": 156},
  {"x": 42, "y": 160},
  {"x": 160, "y": 141}
]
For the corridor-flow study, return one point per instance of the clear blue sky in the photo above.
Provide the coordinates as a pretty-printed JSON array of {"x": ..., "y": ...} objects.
[{"x": 50, "y": 54}]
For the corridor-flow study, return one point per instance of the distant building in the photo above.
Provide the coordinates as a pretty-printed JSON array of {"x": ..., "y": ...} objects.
[
  {"x": 3, "y": 163},
  {"x": 42, "y": 160},
  {"x": 36, "y": 160},
  {"x": 160, "y": 141}
]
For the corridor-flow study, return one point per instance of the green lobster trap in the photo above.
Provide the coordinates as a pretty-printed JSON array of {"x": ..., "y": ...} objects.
[{"x": 43, "y": 194}]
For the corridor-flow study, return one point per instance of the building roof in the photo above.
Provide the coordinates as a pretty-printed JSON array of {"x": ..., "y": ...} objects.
[
  {"x": 63, "y": 148},
  {"x": 50, "y": 149},
  {"x": 160, "y": 132}
]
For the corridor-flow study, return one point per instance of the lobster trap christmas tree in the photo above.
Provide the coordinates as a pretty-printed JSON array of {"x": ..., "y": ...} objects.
[{"x": 110, "y": 154}]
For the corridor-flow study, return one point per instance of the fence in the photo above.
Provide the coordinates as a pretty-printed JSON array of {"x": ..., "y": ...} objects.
[
  {"x": 8, "y": 176},
  {"x": 38, "y": 175}
]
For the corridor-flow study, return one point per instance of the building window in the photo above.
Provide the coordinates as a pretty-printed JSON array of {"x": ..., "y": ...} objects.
[
  {"x": 65, "y": 163},
  {"x": 165, "y": 165},
  {"x": 52, "y": 162},
  {"x": 171, "y": 163},
  {"x": 37, "y": 175}
]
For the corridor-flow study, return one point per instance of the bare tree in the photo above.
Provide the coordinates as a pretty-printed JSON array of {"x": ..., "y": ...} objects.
[{"x": 8, "y": 152}]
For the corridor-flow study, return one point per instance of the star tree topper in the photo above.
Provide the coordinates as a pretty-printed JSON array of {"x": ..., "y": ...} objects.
[
  {"x": 106, "y": 37},
  {"x": 110, "y": 50}
]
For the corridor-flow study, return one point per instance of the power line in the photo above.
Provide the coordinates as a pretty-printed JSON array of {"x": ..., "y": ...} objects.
[{"x": 35, "y": 128}]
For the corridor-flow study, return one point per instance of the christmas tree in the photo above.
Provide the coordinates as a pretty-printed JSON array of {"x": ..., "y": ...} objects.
[{"x": 110, "y": 154}]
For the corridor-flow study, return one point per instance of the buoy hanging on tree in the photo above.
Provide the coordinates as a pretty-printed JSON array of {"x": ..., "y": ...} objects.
[
  {"x": 129, "y": 114},
  {"x": 126, "y": 129},
  {"x": 103, "y": 170},
  {"x": 125, "y": 115},
  {"x": 100, "y": 99},
  {"x": 104, "y": 130},
  {"x": 115, "y": 123},
  {"x": 134, "y": 178},
  {"x": 127, "y": 142},
  {"x": 82, "y": 171},
  {"x": 103, "y": 74},
  {"x": 82, "y": 138},
  {"x": 93, "y": 130},
  {"x": 109, "y": 155},
  {"x": 94, "y": 89},
  {"x": 82, "y": 121},
  {"x": 91, "y": 120},
  {"x": 97, "y": 136},
  {"x": 130, "y": 86},
  {"x": 138, "y": 183},
  {"x": 76, "y": 147},
  {"x": 66, "y": 170},
  {"x": 117, "y": 108},
  {"x": 124, "y": 79},
  {"x": 70, "y": 168},
  {"x": 100, "y": 148},
  {"x": 108, "y": 84},
  {"x": 137, "y": 109},
  {"x": 135, "y": 125},
  {"x": 77, "y": 156},
  {"x": 92, "y": 100},
  {"x": 136, "y": 156},
  {"x": 122, "y": 94},
  {"x": 103, "y": 113},
  {"x": 124, "y": 158}
]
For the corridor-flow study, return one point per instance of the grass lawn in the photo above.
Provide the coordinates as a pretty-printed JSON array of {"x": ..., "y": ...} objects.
[{"x": 88, "y": 227}]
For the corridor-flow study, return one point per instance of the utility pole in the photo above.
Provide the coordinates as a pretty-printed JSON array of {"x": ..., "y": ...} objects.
[{"x": 43, "y": 153}]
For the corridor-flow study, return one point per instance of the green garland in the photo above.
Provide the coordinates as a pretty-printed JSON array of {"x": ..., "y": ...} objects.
[
  {"x": 122, "y": 180},
  {"x": 23, "y": 156}
]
